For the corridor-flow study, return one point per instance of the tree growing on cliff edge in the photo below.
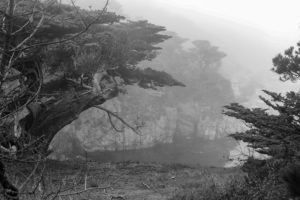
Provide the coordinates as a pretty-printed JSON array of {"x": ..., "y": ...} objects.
[
  {"x": 60, "y": 81},
  {"x": 274, "y": 131},
  {"x": 57, "y": 61}
]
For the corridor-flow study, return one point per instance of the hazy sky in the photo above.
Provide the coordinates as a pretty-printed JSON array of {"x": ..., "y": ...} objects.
[
  {"x": 276, "y": 17},
  {"x": 250, "y": 32}
]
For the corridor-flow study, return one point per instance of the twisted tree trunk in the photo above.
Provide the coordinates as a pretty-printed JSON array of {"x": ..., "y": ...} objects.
[{"x": 53, "y": 117}]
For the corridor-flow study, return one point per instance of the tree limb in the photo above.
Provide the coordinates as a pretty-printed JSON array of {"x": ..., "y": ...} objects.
[
  {"x": 31, "y": 35},
  {"x": 119, "y": 118},
  {"x": 74, "y": 35}
]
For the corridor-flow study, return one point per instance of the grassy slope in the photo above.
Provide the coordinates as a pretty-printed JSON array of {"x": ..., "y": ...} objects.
[{"x": 127, "y": 180}]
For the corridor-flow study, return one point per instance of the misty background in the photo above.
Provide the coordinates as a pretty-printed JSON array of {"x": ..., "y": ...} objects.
[
  {"x": 186, "y": 124},
  {"x": 251, "y": 33}
]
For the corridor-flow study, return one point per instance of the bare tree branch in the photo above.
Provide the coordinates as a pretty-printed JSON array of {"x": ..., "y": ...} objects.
[
  {"x": 87, "y": 189},
  {"x": 31, "y": 174},
  {"x": 74, "y": 35},
  {"x": 16, "y": 5},
  {"x": 31, "y": 35},
  {"x": 81, "y": 84},
  {"x": 8, "y": 25},
  {"x": 113, "y": 125},
  {"x": 4, "y": 149},
  {"x": 119, "y": 118},
  {"x": 79, "y": 14},
  {"x": 29, "y": 19}
]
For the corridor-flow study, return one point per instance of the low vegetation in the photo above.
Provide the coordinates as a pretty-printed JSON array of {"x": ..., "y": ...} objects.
[{"x": 125, "y": 180}]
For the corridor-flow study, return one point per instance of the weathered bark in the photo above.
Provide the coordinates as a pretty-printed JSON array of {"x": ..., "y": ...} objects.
[
  {"x": 10, "y": 191},
  {"x": 52, "y": 118},
  {"x": 8, "y": 23},
  {"x": 31, "y": 69}
]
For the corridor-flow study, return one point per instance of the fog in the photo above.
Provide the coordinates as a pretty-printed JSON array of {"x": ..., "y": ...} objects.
[
  {"x": 150, "y": 99},
  {"x": 250, "y": 33}
]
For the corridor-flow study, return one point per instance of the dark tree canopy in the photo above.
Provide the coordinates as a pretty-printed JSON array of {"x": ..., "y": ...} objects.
[
  {"x": 59, "y": 60},
  {"x": 274, "y": 131},
  {"x": 287, "y": 65}
]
